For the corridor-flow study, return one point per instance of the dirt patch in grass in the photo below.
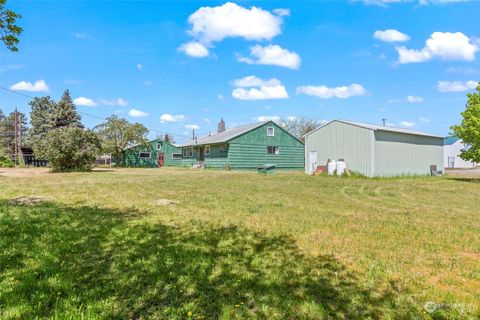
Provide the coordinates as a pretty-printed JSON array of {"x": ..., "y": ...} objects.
[
  {"x": 22, "y": 172},
  {"x": 165, "y": 202},
  {"x": 28, "y": 200}
]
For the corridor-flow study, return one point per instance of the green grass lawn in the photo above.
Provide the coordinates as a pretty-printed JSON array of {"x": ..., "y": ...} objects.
[{"x": 237, "y": 245}]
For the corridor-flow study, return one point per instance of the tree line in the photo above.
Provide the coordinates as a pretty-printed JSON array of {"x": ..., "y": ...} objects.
[{"x": 57, "y": 134}]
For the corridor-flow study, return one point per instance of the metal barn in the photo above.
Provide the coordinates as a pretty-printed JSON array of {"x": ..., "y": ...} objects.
[{"x": 373, "y": 150}]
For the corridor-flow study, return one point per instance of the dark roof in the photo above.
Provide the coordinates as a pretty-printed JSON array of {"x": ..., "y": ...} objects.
[{"x": 224, "y": 136}]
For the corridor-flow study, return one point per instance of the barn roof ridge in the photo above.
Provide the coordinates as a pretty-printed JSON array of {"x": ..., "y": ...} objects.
[{"x": 378, "y": 127}]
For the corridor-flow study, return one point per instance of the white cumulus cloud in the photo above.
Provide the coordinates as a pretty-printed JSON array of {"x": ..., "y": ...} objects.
[
  {"x": 272, "y": 55},
  {"x": 194, "y": 49},
  {"x": 414, "y": 99},
  {"x": 37, "y": 86},
  {"x": 267, "y": 118},
  {"x": 407, "y": 124},
  {"x": 253, "y": 88},
  {"x": 253, "y": 81},
  {"x": 441, "y": 45},
  {"x": 391, "y": 35},
  {"x": 167, "y": 117},
  {"x": 212, "y": 24},
  {"x": 325, "y": 92},
  {"x": 137, "y": 113},
  {"x": 456, "y": 86},
  {"x": 83, "y": 101},
  {"x": 119, "y": 102},
  {"x": 192, "y": 127}
]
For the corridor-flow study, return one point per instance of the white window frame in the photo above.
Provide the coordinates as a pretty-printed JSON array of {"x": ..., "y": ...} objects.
[
  {"x": 149, "y": 155},
  {"x": 184, "y": 152},
  {"x": 159, "y": 144},
  {"x": 190, "y": 152},
  {"x": 207, "y": 149},
  {"x": 273, "y": 132},
  {"x": 276, "y": 150}
]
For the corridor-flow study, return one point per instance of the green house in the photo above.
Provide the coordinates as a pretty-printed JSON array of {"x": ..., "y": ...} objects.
[
  {"x": 156, "y": 153},
  {"x": 245, "y": 147}
]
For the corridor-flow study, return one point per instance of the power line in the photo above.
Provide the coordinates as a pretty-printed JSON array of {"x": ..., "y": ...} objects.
[{"x": 94, "y": 116}]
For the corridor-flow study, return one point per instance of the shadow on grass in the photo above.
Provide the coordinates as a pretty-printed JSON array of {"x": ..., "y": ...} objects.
[
  {"x": 63, "y": 262},
  {"x": 464, "y": 179}
]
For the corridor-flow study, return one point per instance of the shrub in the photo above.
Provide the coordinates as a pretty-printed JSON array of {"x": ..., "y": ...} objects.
[
  {"x": 70, "y": 149},
  {"x": 5, "y": 161}
]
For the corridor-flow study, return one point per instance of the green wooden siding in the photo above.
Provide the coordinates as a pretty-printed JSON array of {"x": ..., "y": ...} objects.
[
  {"x": 249, "y": 150},
  {"x": 339, "y": 140},
  {"x": 132, "y": 158},
  {"x": 406, "y": 154}
]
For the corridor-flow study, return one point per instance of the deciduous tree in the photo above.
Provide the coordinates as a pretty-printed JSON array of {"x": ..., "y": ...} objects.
[
  {"x": 117, "y": 134},
  {"x": 299, "y": 126},
  {"x": 9, "y": 30},
  {"x": 469, "y": 129}
]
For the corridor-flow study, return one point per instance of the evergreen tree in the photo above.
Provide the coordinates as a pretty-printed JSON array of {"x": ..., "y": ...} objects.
[
  {"x": 4, "y": 133},
  {"x": 65, "y": 113},
  {"x": 7, "y": 132},
  {"x": 40, "y": 117}
]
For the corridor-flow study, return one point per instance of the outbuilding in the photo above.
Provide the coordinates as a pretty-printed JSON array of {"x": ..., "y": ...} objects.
[
  {"x": 245, "y": 147},
  {"x": 373, "y": 150},
  {"x": 453, "y": 146}
]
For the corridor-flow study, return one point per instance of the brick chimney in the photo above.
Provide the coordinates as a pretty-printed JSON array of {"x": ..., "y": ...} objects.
[{"x": 221, "y": 126}]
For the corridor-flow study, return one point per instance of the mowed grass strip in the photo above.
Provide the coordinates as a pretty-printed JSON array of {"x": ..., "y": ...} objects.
[{"x": 238, "y": 245}]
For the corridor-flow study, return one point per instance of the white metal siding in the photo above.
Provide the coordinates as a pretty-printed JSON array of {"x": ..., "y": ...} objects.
[
  {"x": 339, "y": 140},
  {"x": 406, "y": 154}
]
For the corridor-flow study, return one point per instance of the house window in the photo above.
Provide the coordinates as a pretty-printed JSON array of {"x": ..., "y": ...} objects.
[
  {"x": 177, "y": 156},
  {"x": 270, "y": 131},
  {"x": 159, "y": 146},
  {"x": 207, "y": 149},
  {"x": 184, "y": 152},
  {"x": 144, "y": 155},
  {"x": 190, "y": 152},
  {"x": 273, "y": 150}
]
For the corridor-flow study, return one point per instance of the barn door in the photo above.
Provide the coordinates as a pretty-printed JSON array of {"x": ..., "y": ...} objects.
[{"x": 312, "y": 157}]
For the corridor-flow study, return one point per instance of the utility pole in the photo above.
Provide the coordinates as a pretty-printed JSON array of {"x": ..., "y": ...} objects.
[
  {"x": 383, "y": 120},
  {"x": 15, "y": 137},
  {"x": 17, "y": 129}
]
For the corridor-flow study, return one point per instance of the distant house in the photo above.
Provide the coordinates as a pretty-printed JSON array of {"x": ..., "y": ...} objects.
[
  {"x": 452, "y": 148},
  {"x": 156, "y": 153},
  {"x": 245, "y": 147},
  {"x": 373, "y": 150}
]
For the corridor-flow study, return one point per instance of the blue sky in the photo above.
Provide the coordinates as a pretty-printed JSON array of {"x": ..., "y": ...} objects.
[{"x": 194, "y": 62}]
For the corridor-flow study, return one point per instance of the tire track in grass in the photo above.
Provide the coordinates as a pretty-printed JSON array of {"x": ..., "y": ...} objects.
[{"x": 344, "y": 193}]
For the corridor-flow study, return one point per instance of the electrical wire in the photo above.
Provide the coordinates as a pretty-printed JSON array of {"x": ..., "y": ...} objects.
[{"x": 177, "y": 135}]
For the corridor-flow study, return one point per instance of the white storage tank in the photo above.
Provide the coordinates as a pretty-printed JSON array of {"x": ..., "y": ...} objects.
[
  {"x": 331, "y": 166},
  {"x": 341, "y": 166}
]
